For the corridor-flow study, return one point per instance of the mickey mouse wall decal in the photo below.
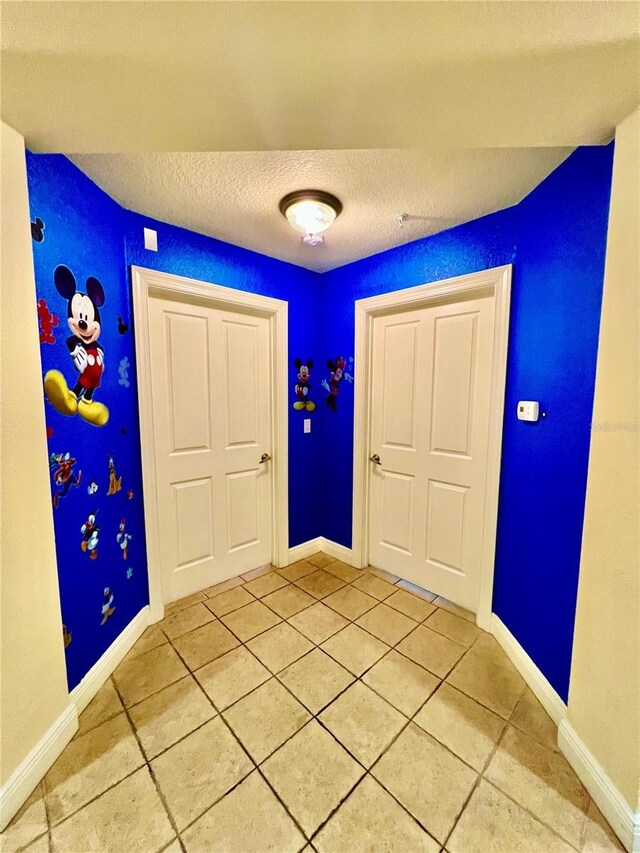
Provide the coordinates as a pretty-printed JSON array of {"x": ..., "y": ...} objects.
[
  {"x": 37, "y": 230},
  {"x": 303, "y": 385},
  {"x": 83, "y": 318}
]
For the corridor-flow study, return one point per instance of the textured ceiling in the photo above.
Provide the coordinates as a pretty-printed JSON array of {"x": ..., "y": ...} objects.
[
  {"x": 234, "y": 195},
  {"x": 252, "y": 76}
]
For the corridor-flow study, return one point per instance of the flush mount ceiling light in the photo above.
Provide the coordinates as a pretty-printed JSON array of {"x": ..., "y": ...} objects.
[{"x": 311, "y": 212}]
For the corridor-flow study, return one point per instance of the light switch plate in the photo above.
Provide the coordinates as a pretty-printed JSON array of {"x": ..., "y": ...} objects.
[
  {"x": 307, "y": 424},
  {"x": 151, "y": 239}
]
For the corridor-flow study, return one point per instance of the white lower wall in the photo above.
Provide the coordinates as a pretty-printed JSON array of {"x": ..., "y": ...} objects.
[{"x": 34, "y": 702}]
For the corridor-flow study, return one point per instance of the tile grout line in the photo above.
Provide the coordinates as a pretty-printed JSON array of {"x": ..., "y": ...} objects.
[
  {"x": 49, "y": 832},
  {"x": 148, "y": 765}
]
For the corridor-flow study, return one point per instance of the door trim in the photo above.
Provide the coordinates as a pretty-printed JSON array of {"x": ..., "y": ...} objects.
[
  {"x": 146, "y": 283},
  {"x": 494, "y": 282}
]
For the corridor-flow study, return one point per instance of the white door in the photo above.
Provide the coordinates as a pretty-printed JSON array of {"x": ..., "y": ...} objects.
[
  {"x": 430, "y": 387},
  {"x": 211, "y": 392}
]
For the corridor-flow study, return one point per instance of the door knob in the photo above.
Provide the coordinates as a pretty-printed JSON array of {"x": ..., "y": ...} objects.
[
  {"x": 265, "y": 458},
  {"x": 375, "y": 458}
]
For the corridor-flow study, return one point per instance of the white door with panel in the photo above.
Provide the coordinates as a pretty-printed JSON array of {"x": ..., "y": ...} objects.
[
  {"x": 211, "y": 387},
  {"x": 430, "y": 392}
]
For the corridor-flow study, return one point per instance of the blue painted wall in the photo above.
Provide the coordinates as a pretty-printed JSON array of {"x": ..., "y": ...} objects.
[
  {"x": 556, "y": 239},
  {"x": 84, "y": 231},
  {"x": 561, "y": 234}
]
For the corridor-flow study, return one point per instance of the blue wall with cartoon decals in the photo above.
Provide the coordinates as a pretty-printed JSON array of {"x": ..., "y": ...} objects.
[
  {"x": 91, "y": 235},
  {"x": 84, "y": 231},
  {"x": 556, "y": 238}
]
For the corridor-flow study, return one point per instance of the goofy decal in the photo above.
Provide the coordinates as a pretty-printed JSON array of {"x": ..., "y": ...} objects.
[{"x": 83, "y": 318}]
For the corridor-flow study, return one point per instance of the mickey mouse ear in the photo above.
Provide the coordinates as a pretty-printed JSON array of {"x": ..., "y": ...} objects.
[
  {"x": 64, "y": 281},
  {"x": 95, "y": 291}
]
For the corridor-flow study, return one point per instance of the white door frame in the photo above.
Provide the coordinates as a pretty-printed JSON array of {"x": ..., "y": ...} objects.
[
  {"x": 148, "y": 283},
  {"x": 495, "y": 282}
]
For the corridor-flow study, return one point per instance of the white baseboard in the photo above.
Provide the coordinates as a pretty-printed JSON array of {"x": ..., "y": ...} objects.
[
  {"x": 544, "y": 692},
  {"x": 339, "y": 552},
  {"x": 305, "y": 549},
  {"x": 312, "y": 546},
  {"x": 25, "y": 778},
  {"x": 84, "y": 692},
  {"x": 624, "y": 822}
]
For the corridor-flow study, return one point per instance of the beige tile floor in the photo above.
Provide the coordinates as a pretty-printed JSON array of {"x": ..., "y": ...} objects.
[{"x": 313, "y": 708}]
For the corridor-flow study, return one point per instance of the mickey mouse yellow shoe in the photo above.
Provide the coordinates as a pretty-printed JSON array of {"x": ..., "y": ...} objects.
[
  {"x": 58, "y": 394},
  {"x": 93, "y": 412},
  {"x": 298, "y": 405},
  {"x": 310, "y": 406}
]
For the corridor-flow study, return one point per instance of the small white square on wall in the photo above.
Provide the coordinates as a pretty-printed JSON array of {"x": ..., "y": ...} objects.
[{"x": 151, "y": 239}]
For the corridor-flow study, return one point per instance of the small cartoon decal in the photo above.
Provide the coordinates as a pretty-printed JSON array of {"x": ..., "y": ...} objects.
[
  {"x": 123, "y": 371},
  {"x": 129, "y": 573},
  {"x": 63, "y": 475},
  {"x": 92, "y": 488},
  {"x": 338, "y": 373},
  {"x": 303, "y": 385},
  {"x": 83, "y": 318},
  {"x": 108, "y": 608},
  {"x": 123, "y": 328},
  {"x": 115, "y": 482},
  {"x": 37, "y": 230},
  {"x": 130, "y": 495},
  {"x": 90, "y": 533},
  {"x": 66, "y": 636},
  {"x": 123, "y": 538},
  {"x": 47, "y": 321}
]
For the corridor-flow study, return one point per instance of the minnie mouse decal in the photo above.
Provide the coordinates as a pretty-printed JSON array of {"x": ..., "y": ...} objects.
[
  {"x": 338, "y": 373},
  {"x": 83, "y": 318}
]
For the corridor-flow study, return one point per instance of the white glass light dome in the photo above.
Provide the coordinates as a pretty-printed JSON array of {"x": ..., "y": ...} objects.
[{"x": 310, "y": 211}]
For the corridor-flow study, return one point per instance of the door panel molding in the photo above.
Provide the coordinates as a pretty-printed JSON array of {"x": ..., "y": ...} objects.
[
  {"x": 495, "y": 283},
  {"x": 147, "y": 283}
]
